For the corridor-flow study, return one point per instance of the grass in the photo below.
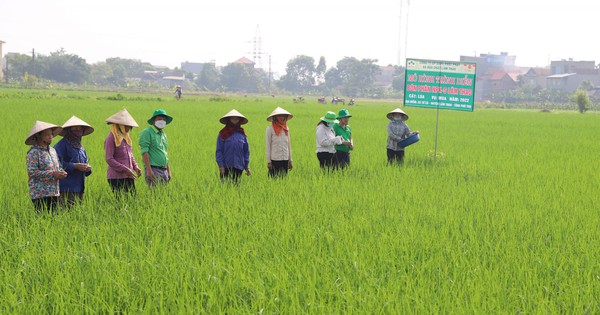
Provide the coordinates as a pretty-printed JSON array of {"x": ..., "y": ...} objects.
[{"x": 503, "y": 221}]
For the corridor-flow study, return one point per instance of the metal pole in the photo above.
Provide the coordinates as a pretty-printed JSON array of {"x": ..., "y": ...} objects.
[{"x": 437, "y": 120}]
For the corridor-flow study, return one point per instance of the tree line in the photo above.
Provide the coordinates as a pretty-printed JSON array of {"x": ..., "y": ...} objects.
[{"x": 350, "y": 76}]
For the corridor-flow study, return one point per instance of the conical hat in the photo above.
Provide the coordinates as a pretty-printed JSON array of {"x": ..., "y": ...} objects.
[
  {"x": 75, "y": 121},
  {"x": 122, "y": 118},
  {"x": 279, "y": 111},
  {"x": 233, "y": 113},
  {"x": 40, "y": 126},
  {"x": 397, "y": 110}
]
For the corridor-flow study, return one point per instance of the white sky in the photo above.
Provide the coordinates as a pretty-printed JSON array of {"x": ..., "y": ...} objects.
[{"x": 170, "y": 32}]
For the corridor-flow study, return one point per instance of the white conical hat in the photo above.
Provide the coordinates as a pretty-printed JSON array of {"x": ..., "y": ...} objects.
[
  {"x": 122, "y": 118},
  {"x": 40, "y": 126},
  {"x": 234, "y": 113},
  {"x": 397, "y": 110},
  {"x": 279, "y": 111},
  {"x": 75, "y": 121}
]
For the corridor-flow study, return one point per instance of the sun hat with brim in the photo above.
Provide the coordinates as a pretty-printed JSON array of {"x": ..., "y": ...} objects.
[
  {"x": 343, "y": 114},
  {"x": 122, "y": 118},
  {"x": 73, "y": 122},
  {"x": 233, "y": 113},
  {"x": 329, "y": 118},
  {"x": 397, "y": 110},
  {"x": 160, "y": 112},
  {"x": 38, "y": 127},
  {"x": 279, "y": 111}
]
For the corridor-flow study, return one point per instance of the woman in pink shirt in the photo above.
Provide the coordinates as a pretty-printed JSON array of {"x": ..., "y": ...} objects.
[{"x": 122, "y": 167}]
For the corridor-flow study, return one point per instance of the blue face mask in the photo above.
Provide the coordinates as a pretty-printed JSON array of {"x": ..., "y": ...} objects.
[{"x": 397, "y": 118}]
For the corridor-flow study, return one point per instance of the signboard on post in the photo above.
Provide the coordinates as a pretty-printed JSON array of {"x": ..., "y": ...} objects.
[{"x": 440, "y": 84}]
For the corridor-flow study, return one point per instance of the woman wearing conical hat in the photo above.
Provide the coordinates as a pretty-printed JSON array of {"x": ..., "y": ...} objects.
[
  {"x": 233, "y": 151},
  {"x": 122, "y": 167},
  {"x": 278, "y": 146},
  {"x": 43, "y": 167},
  {"x": 397, "y": 130},
  {"x": 74, "y": 159}
]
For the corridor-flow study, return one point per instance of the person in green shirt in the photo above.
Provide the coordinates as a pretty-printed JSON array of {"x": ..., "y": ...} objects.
[
  {"x": 153, "y": 144},
  {"x": 342, "y": 151}
]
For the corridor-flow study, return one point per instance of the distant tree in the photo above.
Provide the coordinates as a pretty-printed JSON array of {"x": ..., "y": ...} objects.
[
  {"x": 208, "y": 77},
  {"x": 357, "y": 76},
  {"x": 300, "y": 75},
  {"x": 17, "y": 65},
  {"x": 332, "y": 78},
  {"x": 320, "y": 70},
  {"x": 586, "y": 85},
  {"x": 66, "y": 68},
  {"x": 239, "y": 77},
  {"x": 100, "y": 73},
  {"x": 582, "y": 99},
  {"x": 129, "y": 68}
]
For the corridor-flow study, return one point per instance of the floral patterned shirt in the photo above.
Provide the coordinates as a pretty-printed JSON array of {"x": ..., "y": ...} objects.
[
  {"x": 41, "y": 162},
  {"x": 397, "y": 131}
]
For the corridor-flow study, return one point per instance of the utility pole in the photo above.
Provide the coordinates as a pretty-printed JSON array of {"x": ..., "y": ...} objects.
[{"x": 33, "y": 61}]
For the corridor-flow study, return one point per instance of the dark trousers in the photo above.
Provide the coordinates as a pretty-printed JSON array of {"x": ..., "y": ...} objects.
[
  {"x": 395, "y": 156},
  {"x": 48, "y": 204},
  {"x": 279, "y": 168},
  {"x": 232, "y": 174},
  {"x": 70, "y": 198},
  {"x": 120, "y": 185},
  {"x": 326, "y": 160},
  {"x": 342, "y": 158}
]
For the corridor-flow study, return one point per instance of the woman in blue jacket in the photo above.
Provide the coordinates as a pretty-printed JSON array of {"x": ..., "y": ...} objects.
[
  {"x": 233, "y": 152},
  {"x": 74, "y": 159}
]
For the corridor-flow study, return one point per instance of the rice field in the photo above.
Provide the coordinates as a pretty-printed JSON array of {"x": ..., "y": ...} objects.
[{"x": 503, "y": 220}]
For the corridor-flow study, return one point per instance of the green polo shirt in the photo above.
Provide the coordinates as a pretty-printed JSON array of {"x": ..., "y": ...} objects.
[
  {"x": 345, "y": 133},
  {"x": 154, "y": 142}
]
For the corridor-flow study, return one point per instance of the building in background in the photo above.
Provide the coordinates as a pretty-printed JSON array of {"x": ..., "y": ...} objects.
[{"x": 2, "y": 66}]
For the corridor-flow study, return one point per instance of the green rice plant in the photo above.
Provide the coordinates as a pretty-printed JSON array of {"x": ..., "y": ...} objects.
[{"x": 504, "y": 219}]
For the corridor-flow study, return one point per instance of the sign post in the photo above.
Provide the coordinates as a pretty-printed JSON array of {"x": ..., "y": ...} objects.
[{"x": 440, "y": 85}]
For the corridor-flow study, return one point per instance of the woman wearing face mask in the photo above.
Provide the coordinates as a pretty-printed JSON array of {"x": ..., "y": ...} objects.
[
  {"x": 397, "y": 130},
  {"x": 278, "y": 146},
  {"x": 74, "y": 159},
  {"x": 154, "y": 146},
  {"x": 233, "y": 151},
  {"x": 43, "y": 167},
  {"x": 326, "y": 141},
  {"x": 122, "y": 167}
]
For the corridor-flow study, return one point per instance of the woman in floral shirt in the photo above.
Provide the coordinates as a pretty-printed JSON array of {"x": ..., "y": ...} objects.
[{"x": 43, "y": 167}]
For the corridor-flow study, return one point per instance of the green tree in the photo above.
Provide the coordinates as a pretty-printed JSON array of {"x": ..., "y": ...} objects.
[
  {"x": 100, "y": 73},
  {"x": 300, "y": 75},
  {"x": 582, "y": 99},
  {"x": 17, "y": 65},
  {"x": 240, "y": 78},
  {"x": 208, "y": 77},
  {"x": 357, "y": 76},
  {"x": 66, "y": 68},
  {"x": 321, "y": 69}
]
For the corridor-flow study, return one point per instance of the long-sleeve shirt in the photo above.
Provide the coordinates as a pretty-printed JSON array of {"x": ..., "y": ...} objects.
[
  {"x": 41, "y": 162},
  {"x": 397, "y": 130},
  {"x": 119, "y": 159},
  {"x": 233, "y": 152},
  {"x": 346, "y": 134},
  {"x": 154, "y": 142},
  {"x": 326, "y": 139},
  {"x": 68, "y": 156},
  {"x": 278, "y": 147}
]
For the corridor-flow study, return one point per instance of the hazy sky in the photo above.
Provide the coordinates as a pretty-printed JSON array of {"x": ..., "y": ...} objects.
[{"x": 170, "y": 32}]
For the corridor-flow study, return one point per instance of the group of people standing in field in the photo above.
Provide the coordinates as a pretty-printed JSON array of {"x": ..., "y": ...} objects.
[{"x": 57, "y": 174}]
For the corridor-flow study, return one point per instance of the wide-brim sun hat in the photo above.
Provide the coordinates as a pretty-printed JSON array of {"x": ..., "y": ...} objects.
[
  {"x": 122, "y": 118},
  {"x": 329, "y": 118},
  {"x": 399, "y": 111},
  {"x": 279, "y": 111},
  {"x": 233, "y": 113},
  {"x": 343, "y": 114},
  {"x": 160, "y": 112},
  {"x": 38, "y": 127},
  {"x": 76, "y": 121}
]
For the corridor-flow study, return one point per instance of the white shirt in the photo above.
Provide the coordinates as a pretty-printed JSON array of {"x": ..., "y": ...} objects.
[
  {"x": 278, "y": 147},
  {"x": 326, "y": 139}
]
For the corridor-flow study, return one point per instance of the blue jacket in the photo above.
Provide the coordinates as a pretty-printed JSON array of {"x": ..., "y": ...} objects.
[
  {"x": 68, "y": 156},
  {"x": 233, "y": 152}
]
